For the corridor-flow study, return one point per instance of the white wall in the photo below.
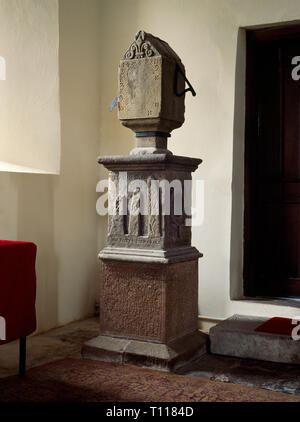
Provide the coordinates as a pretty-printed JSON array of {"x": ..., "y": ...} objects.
[
  {"x": 29, "y": 97},
  {"x": 57, "y": 212}
]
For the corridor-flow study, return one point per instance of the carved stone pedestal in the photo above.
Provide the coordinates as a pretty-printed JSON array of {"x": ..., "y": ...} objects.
[{"x": 149, "y": 270}]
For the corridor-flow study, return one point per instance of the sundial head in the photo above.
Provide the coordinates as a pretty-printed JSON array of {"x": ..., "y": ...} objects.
[{"x": 150, "y": 81}]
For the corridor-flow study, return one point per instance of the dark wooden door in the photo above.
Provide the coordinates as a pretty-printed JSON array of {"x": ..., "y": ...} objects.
[{"x": 272, "y": 179}]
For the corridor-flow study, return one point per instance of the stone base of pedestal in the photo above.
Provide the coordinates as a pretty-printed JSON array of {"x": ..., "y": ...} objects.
[
  {"x": 148, "y": 302},
  {"x": 163, "y": 357}
]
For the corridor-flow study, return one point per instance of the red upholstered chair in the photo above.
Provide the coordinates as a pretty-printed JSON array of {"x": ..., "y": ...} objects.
[{"x": 17, "y": 294}]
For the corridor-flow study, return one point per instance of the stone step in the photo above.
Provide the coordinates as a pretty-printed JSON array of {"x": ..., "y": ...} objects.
[{"x": 236, "y": 336}]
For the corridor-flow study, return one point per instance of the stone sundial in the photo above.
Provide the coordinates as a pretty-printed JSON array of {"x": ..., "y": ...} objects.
[{"x": 149, "y": 270}]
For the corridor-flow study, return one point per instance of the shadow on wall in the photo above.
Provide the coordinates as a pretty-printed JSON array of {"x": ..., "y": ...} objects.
[
  {"x": 237, "y": 214},
  {"x": 58, "y": 212},
  {"x": 36, "y": 221},
  {"x": 27, "y": 213}
]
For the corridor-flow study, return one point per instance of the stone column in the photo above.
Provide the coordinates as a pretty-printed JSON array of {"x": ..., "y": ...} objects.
[{"x": 149, "y": 270}]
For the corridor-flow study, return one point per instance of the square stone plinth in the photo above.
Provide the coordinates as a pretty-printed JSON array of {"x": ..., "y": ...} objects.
[
  {"x": 148, "y": 302},
  {"x": 236, "y": 336},
  {"x": 164, "y": 357}
]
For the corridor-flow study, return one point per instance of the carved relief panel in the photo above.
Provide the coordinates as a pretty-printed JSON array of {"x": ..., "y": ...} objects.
[{"x": 151, "y": 213}]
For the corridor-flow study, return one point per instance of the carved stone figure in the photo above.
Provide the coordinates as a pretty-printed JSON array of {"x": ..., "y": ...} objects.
[
  {"x": 134, "y": 214},
  {"x": 116, "y": 223},
  {"x": 154, "y": 209}
]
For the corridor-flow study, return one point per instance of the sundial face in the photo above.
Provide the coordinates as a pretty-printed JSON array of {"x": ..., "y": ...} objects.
[{"x": 140, "y": 88}]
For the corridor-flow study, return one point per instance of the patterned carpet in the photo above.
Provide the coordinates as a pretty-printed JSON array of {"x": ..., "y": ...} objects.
[{"x": 76, "y": 380}]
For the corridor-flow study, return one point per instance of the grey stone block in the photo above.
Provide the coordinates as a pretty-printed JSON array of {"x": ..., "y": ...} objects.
[{"x": 236, "y": 336}]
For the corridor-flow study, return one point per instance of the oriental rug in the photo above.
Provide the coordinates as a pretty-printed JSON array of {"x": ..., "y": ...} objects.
[{"x": 77, "y": 380}]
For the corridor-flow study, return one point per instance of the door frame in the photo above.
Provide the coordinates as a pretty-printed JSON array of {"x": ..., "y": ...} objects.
[{"x": 253, "y": 38}]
